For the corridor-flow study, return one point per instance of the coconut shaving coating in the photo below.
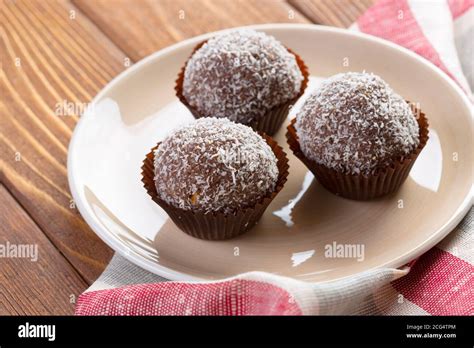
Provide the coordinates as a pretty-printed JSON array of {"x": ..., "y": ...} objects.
[
  {"x": 241, "y": 75},
  {"x": 356, "y": 124},
  {"x": 214, "y": 165}
]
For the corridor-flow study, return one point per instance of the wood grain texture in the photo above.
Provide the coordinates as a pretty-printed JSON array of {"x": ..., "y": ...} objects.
[
  {"x": 338, "y": 13},
  {"x": 141, "y": 27},
  {"x": 58, "y": 54},
  {"x": 51, "y": 56},
  {"x": 49, "y": 285}
]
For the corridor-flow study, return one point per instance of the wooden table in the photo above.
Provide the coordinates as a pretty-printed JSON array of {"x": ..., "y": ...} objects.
[{"x": 55, "y": 56}]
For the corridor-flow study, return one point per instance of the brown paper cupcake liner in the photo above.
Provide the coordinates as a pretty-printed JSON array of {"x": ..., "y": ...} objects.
[
  {"x": 269, "y": 123},
  {"x": 361, "y": 187},
  {"x": 216, "y": 226}
]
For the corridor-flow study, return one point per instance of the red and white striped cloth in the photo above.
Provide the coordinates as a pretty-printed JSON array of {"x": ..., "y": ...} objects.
[{"x": 441, "y": 282}]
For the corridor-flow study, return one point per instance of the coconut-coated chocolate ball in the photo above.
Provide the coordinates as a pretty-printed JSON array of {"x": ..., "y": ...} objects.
[
  {"x": 241, "y": 75},
  {"x": 356, "y": 124},
  {"x": 214, "y": 165}
]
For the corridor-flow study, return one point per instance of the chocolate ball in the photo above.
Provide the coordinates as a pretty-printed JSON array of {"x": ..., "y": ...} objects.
[
  {"x": 356, "y": 124},
  {"x": 241, "y": 75},
  {"x": 214, "y": 165}
]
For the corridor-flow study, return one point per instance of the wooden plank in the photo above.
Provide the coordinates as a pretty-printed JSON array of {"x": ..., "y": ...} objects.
[
  {"x": 141, "y": 27},
  {"x": 41, "y": 281},
  {"x": 338, "y": 13},
  {"x": 52, "y": 56}
]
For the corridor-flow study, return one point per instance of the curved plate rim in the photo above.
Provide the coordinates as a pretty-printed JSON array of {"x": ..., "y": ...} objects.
[{"x": 179, "y": 276}]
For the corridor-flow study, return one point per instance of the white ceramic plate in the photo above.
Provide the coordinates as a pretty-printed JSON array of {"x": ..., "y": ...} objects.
[{"x": 138, "y": 108}]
